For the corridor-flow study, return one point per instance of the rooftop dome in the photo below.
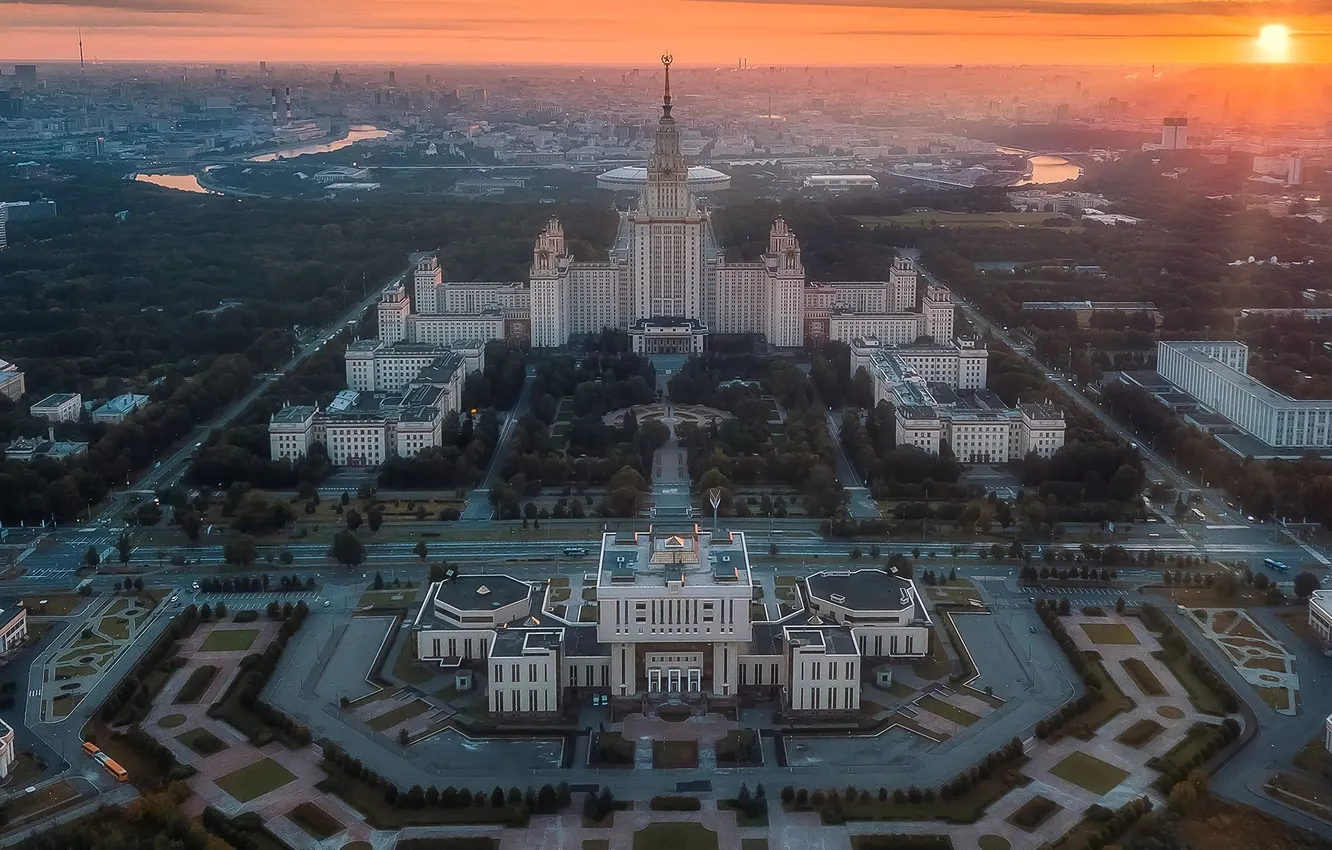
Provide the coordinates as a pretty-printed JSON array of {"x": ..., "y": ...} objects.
[{"x": 631, "y": 178}]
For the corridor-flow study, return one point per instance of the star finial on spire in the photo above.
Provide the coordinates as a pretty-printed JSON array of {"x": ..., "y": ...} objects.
[{"x": 667, "y": 59}]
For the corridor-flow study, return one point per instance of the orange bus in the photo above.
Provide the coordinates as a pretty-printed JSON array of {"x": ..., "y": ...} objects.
[
  {"x": 90, "y": 748},
  {"x": 116, "y": 770}
]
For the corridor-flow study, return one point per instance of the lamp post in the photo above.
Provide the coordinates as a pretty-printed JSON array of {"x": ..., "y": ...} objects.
[{"x": 714, "y": 499}]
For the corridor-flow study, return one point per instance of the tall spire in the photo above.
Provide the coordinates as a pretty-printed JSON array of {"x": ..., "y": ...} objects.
[{"x": 666, "y": 60}]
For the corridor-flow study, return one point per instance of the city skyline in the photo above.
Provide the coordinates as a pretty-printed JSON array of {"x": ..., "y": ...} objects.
[{"x": 700, "y": 32}]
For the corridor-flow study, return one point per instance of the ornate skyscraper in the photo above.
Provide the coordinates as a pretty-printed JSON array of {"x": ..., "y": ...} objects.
[{"x": 667, "y": 248}]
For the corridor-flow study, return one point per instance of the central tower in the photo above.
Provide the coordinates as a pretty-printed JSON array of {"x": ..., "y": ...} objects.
[{"x": 667, "y": 253}]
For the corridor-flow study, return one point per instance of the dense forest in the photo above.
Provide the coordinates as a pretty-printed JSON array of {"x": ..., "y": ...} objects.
[{"x": 188, "y": 297}]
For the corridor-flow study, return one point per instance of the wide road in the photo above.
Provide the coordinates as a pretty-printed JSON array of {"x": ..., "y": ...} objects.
[{"x": 1159, "y": 469}]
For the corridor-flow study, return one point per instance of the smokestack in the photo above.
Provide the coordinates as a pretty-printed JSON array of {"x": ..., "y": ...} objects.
[
  {"x": 288, "y": 104},
  {"x": 273, "y": 92}
]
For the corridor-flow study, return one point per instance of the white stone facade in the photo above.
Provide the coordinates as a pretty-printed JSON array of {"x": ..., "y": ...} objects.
[
  {"x": 58, "y": 407},
  {"x": 674, "y": 618},
  {"x": 665, "y": 264},
  {"x": 1215, "y": 373}
]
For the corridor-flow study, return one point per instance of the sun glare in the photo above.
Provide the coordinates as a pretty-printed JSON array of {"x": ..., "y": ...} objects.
[{"x": 1274, "y": 43}]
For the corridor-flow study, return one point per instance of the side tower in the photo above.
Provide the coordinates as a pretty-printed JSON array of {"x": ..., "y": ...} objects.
[
  {"x": 784, "y": 320},
  {"x": 902, "y": 286},
  {"x": 394, "y": 308},
  {"x": 427, "y": 281},
  {"x": 549, "y": 283}
]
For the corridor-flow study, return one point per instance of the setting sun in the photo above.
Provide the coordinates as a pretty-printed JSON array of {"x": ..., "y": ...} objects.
[{"x": 1274, "y": 43}]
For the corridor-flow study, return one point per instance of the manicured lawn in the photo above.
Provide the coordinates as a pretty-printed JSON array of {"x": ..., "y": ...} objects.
[
  {"x": 675, "y": 836},
  {"x": 1089, "y": 772},
  {"x": 1204, "y": 699},
  {"x": 753, "y": 844},
  {"x": 316, "y": 822},
  {"x": 202, "y": 742},
  {"x": 674, "y": 754},
  {"x": 61, "y": 706},
  {"x": 948, "y": 711},
  {"x": 1277, "y": 698},
  {"x": 1110, "y": 634},
  {"x": 255, "y": 780},
  {"x": 1170, "y": 712},
  {"x": 1140, "y": 733},
  {"x": 74, "y": 671},
  {"x": 993, "y": 842},
  {"x": 1143, "y": 677},
  {"x": 229, "y": 640},
  {"x": 394, "y": 716},
  {"x": 57, "y": 605},
  {"x": 407, "y": 669},
  {"x": 1033, "y": 813},
  {"x": 597, "y": 844},
  {"x": 388, "y": 600},
  {"x": 116, "y": 628},
  {"x": 196, "y": 684},
  {"x": 171, "y": 721}
]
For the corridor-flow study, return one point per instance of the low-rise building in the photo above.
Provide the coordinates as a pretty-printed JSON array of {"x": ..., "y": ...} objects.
[
  {"x": 58, "y": 407},
  {"x": 674, "y": 622},
  {"x": 29, "y": 449},
  {"x": 13, "y": 628},
  {"x": 6, "y": 748},
  {"x": 12, "y": 382},
  {"x": 1320, "y": 615},
  {"x": 119, "y": 408}
]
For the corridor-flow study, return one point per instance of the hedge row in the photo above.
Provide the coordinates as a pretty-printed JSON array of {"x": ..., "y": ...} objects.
[
  {"x": 133, "y": 696},
  {"x": 1174, "y": 644},
  {"x": 1056, "y": 721},
  {"x": 549, "y": 799},
  {"x": 241, "y": 706}
]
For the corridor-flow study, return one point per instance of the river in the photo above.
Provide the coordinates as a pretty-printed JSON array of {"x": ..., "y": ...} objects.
[
  {"x": 1044, "y": 168},
  {"x": 180, "y": 182},
  {"x": 357, "y": 133}
]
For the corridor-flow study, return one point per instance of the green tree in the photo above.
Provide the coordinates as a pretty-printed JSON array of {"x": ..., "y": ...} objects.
[
  {"x": 376, "y": 520},
  {"x": 353, "y": 519},
  {"x": 124, "y": 548},
  {"x": 422, "y": 550},
  {"x": 92, "y": 557},
  {"x": 241, "y": 551},
  {"x": 347, "y": 549},
  {"x": 1306, "y": 583}
]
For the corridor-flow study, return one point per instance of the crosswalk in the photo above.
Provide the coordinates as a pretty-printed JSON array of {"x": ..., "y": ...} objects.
[
  {"x": 48, "y": 572},
  {"x": 1087, "y": 595}
]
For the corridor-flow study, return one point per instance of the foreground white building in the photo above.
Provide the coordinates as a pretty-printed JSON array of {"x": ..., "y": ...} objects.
[
  {"x": 674, "y": 623},
  {"x": 666, "y": 280},
  {"x": 938, "y": 395},
  {"x": 58, "y": 407},
  {"x": 1215, "y": 373},
  {"x": 12, "y": 381}
]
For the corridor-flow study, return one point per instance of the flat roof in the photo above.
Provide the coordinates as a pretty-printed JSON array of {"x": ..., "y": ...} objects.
[
  {"x": 482, "y": 592},
  {"x": 864, "y": 590},
  {"x": 673, "y": 552},
  {"x": 56, "y": 399},
  {"x": 294, "y": 413}
]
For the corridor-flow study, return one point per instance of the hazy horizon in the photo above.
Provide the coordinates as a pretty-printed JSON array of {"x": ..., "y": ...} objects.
[{"x": 702, "y": 33}]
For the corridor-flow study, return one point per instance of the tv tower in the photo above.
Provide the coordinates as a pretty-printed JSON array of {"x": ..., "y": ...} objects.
[{"x": 80, "y": 50}]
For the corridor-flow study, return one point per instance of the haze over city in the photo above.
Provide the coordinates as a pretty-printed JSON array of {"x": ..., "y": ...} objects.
[
  {"x": 681, "y": 425},
  {"x": 701, "y": 32}
]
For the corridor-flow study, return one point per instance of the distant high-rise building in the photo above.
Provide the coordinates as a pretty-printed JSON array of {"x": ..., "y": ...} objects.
[
  {"x": 219, "y": 73},
  {"x": 1063, "y": 113},
  {"x": 11, "y": 104},
  {"x": 263, "y": 69},
  {"x": 393, "y": 78},
  {"x": 1294, "y": 170},
  {"x": 1174, "y": 134},
  {"x": 26, "y": 74}
]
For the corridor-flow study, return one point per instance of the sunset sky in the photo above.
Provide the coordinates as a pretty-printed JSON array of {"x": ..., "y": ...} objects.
[{"x": 698, "y": 32}]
